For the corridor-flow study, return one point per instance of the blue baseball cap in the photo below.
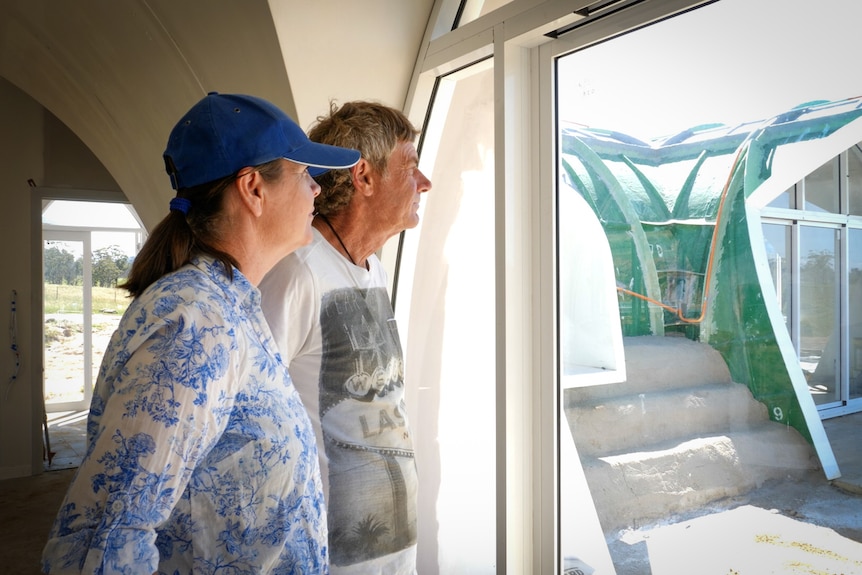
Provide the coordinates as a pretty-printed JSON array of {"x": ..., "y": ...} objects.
[{"x": 224, "y": 133}]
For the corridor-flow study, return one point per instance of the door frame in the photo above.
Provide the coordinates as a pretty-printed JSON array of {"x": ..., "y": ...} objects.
[
  {"x": 37, "y": 364},
  {"x": 795, "y": 221},
  {"x": 87, "y": 316}
]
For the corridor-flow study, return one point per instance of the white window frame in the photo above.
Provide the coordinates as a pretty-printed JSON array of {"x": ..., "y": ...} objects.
[{"x": 528, "y": 391}]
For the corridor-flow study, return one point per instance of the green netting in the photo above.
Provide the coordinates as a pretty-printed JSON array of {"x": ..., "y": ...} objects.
[{"x": 683, "y": 259}]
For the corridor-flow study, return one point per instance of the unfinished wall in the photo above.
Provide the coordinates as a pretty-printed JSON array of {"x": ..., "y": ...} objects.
[
  {"x": 34, "y": 146},
  {"x": 21, "y": 158}
]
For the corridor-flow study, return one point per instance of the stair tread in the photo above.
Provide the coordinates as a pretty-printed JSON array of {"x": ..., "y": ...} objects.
[
  {"x": 637, "y": 397},
  {"x": 693, "y": 443},
  {"x": 677, "y": 434}
]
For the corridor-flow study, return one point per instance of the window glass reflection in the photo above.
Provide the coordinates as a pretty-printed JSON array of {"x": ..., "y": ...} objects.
[
  {"x": 784, "y": 200},
  {"x": 776, "y": 238},
  {"x": 656, "y": 140},
  {"x": 451, "y": 360},
  {"x": 855, "y": 312},
  {"x": 820, "y": 188},
  {"x": 473, "y": 9},
  {"x": 818, "y": 325}
]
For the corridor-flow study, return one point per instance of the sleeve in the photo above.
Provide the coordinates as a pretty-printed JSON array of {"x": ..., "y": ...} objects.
[
  {"x": 291, "y": 305},
  {"x": 159, "y": 411}
]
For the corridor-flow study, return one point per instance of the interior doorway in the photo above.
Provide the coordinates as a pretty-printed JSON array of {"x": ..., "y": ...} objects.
[
  {"x": 67, "y": 315},
  {"x": 87, "y": 247}
]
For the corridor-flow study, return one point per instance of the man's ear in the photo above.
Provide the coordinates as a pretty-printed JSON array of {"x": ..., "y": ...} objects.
[
  {"x": 249, "y": 186},
  {"x": 363, "y": 177}
]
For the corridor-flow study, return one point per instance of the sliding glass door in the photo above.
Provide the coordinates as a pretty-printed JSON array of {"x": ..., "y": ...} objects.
[
  {"x": 87, "y": 248},
  {"x": 67, "y": 320}
]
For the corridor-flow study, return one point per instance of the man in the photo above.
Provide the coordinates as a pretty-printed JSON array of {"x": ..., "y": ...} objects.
[{"x": 330, "y": 314}]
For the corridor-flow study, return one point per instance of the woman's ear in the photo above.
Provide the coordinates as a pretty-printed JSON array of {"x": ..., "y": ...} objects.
[{"x": 249, "y": 186}]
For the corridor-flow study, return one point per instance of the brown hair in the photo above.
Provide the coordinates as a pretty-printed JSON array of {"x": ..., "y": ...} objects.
[
  {"x": 371, "y": 128},
  {"x": 179, "y": 237}
]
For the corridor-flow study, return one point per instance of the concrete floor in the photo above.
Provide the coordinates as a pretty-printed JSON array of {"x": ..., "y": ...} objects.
[
  {"x": 784, "y": 527},
  {"x": 845, "y": 437},
  {"x": 804, "y": 526},
  {"x": 66, "y": 432},
  {"x": 28, "y": 505}
]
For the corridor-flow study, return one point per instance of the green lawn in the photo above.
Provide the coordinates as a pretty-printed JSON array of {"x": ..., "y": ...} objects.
[{"x": 69, "y": 299}]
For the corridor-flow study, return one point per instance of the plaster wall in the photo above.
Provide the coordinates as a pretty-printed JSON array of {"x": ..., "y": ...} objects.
[
  {"x": 21, "y": 157},
  {"x": 69, "y": 163},
  {"x": 34, "y": 145}
]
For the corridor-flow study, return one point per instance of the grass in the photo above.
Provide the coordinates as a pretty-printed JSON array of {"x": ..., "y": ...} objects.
[
  {"x": 69, "y": 299},
  {"x": 64, "y": 337}
]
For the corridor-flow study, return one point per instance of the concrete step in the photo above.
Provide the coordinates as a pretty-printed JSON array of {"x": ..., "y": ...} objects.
[
  {"x": 632, "y": 489},
  {"x": 618, "y": 424},
  {"x": 677, "y": 435},
  {"x": 659, "y": 364}
]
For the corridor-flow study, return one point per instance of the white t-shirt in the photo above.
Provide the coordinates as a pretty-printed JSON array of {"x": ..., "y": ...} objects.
[{"x": 334, "y": 325}]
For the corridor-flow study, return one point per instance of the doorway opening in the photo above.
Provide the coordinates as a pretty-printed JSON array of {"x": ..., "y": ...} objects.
[{"x": 87, "y": 249}]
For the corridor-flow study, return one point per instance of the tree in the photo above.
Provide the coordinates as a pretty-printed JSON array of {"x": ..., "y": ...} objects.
[
  {"x": 60, "y": 266},
  {"x": 109, "y": 264}
]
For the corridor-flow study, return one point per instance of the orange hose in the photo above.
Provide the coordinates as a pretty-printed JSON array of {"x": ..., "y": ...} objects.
[{"x": 713, "y": 243}]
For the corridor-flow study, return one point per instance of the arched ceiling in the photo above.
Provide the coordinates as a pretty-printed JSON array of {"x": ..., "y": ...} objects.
[{"x": 119, "y": 73}]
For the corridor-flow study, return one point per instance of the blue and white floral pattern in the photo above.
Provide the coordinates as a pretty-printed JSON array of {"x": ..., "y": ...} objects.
[{"x": 201, "y": 457}]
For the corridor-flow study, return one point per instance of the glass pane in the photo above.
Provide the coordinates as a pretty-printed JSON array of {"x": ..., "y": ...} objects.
[
  {"x": 854, "y": 179},
  {"x": 855, "y": 312},
  {"x": 818, "y": 325},
  {"x": 777, "y": 240},
  {"x": 113, "y": 253},
  {"x": 90, "y": 215},
  {"x": 64, "y": 322},
  {"x": 820, "y": 188},
  {"x": 784, "y": 200},
  {"x": 82, "y": 302},
  {"x": 473, "y": 9},
  {"x": 451, "y": 360}
]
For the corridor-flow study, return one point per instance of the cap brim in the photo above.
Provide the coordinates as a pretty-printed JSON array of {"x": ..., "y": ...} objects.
[{"x": 322, "y": 157}]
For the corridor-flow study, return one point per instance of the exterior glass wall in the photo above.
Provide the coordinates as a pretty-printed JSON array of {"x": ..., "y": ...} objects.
[
  {"x": 821, "y": 188},
  {"x": 819, "y": 336},
  {"x": 675, "y": 197},
  {"x": 854, "y": 293},
  {"x": 818, "y": 286},
  {"x": 777, "y": 240}
]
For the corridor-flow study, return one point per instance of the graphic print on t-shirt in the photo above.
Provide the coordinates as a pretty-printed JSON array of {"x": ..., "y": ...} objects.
[{"x": 372, "y": 470}]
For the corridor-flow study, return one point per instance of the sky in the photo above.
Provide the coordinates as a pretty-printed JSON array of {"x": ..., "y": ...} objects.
[
  {"x": 732, "y": 61},
  {"x": 95, "y": 215}
]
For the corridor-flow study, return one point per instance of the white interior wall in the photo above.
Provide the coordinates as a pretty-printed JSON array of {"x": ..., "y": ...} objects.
[
  {"x": 117, "y": 75},
  {"x": 21, "y": 147},
  {"x": 341, "y": 50}
]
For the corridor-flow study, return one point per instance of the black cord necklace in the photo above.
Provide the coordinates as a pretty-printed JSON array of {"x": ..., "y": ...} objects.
[{"x": 337, "y": 237}]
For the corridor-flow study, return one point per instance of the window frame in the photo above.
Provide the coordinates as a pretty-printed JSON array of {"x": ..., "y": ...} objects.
[{"x": 521, "y": 38}]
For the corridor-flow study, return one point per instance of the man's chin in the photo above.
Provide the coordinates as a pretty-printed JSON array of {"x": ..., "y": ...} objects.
[{"x": 412, "y": 222}]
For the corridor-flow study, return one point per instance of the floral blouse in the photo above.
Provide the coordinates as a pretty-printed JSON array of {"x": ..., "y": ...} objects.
[{"x": 200, "y": 455}]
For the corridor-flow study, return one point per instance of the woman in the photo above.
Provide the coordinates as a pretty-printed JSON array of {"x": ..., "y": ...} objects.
[{"x": 200, "y": 454}]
